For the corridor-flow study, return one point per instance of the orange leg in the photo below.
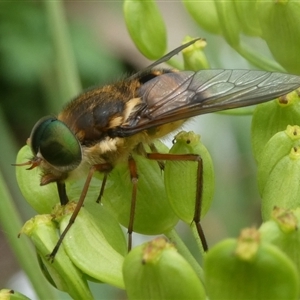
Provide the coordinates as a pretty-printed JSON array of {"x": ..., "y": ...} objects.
[
  {"x": 199, "y": 191},
  {"x": 101, "y": 168}
]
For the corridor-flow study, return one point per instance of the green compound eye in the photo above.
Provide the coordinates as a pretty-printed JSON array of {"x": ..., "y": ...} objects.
[{"x": 56, "y": 143}]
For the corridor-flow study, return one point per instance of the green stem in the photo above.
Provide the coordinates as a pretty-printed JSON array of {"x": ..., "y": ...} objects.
[
  {"x": 11, "y": 224},
  {"x": 197, "y": 238},
  {"x": 173, "y": 236},
  {"x": 257, "y": 59},
  {"x": 66, "y": 68},
  {"x": 8, "y": 150},
  {"x": 10, "y": 220}
]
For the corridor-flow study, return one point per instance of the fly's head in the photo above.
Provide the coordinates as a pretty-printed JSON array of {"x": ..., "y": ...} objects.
[{"x": 55, "y": 149}]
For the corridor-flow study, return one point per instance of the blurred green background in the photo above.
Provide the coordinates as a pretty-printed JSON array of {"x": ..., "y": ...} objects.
[{"x": 104, "y": 52}]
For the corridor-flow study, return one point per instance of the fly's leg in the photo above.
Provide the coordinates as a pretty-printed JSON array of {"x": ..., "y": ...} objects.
[
  {"x": 102, "y": 187},
  {"x": 101, "y": 168},
  {"x": 61, "y": 188},
  {"x": 134, "y": 179},
  {"x": 161, "y": 164},
  {"x": 199, "y": 189}
]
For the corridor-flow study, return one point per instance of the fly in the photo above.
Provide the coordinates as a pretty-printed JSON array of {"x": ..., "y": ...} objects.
[{"x": 106, "y": 125}]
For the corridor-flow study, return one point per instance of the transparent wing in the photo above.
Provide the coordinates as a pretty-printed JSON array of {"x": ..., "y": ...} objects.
[{"x": 181, "y": 95}]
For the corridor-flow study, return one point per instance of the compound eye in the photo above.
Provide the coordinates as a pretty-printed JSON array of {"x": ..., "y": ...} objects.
[{"x": 56, "y": 143}]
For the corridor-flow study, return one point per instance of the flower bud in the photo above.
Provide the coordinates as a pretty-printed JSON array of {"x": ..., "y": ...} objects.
[
  {"x": 272, "y": 117},
  {"x": 248, "y": 17},
  {"x": 279, "y": 171},
  {"x": 205, "y": 14},
  {"x": 62, "y": 272},
  {"x": 41, "y": 198},
  {"x": 153, "y": 213},
  {"x": 87, "y": 243},
  {"x": 146, "y": 27},
  {"x": 156, "y": 270},
  {"x": 249, "y": 269},
  {"x": 229, "y": 22},
  {"x": 181, "y": 177},
  {"x": 7, "y": 294},
  {"x": 193, "y": 56},
  {"x": 283, "y": 231},
  {"x": 280, "y": 24}
]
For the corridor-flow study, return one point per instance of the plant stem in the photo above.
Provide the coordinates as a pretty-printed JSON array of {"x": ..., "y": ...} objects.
[
  {"x": 197, "y": 239},
  {"x": 11, "y": 224},
  {"x": 257, "y": 59},
  {"x": 173, "y": 236},
  {"x": 66, "y": 68}
]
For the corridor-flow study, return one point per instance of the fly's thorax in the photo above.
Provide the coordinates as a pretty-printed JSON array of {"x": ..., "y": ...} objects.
[
  {"x": 113, "y": 150},
  {"x": 105, "y": 151},
  {"x": 95, "y": 113}
]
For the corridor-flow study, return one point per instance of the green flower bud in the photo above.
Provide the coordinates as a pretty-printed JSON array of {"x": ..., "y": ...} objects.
[
  {"x": 229, "y": 22},
  {"x": 101, "y": 215},
  {"x": 249, "y": 269},
  {"x": 248, "y": 17},
  {"x": 193, "y": 56},
  {"x": 146, "y": 27},
  {"x": 279, "y": 171},
  {"x": 283, "y": 231},
  {"x": 205, "y": 14},
  {"x": 280, "y": 24},
  {"x": 285, "y": 219},
  {"x": 63, "y": 273},
  {"x": 153, "y": 213},
  {"x": 272, "y": 117},
  {"x": 181, "y": 176},
  {"x": 87, "y": 246},
  {"x": 41, "y": 198},
  {"x": 156, "y": 270},
  {"x": 6, "y": 294}
]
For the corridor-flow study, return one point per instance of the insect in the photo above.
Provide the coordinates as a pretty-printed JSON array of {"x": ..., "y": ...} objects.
[{"x": 105, "y": 125}]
